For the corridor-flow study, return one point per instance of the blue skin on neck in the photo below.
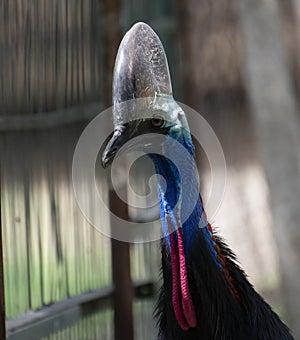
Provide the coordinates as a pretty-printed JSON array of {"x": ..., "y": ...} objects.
[{"x": 183, "y": 189}]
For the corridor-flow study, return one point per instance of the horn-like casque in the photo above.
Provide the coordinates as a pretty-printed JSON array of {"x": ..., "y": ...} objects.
[{"x": 141, "y": 71}]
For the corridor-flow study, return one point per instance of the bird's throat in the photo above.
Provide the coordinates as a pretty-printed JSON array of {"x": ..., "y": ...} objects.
[
  {"x": 182, "y": 219},
  {"x": 172, "y": 228}
]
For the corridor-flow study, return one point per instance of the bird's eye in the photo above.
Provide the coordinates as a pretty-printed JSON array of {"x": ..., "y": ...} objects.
[{"x": 157, "y": 121}]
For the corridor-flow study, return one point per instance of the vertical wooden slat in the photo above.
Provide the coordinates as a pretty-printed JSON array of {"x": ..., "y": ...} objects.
[
  {"x": 2, "y": 302},
  {"x": 123, "y": 293},
  {"x": 28, "y": 237}
]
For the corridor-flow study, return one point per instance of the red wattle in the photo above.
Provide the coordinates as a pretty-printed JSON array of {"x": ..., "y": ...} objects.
[
  {"x": 181, "y": 297},
  {"x": 187, "y": 303},
  {"x": 176, "y": 287}
]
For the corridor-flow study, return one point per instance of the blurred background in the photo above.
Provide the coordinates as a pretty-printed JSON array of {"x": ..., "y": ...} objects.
[{"x": 237, "y": 62}]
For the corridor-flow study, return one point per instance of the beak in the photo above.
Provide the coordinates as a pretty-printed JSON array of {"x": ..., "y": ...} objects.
[{"x": 120, "y": 136}]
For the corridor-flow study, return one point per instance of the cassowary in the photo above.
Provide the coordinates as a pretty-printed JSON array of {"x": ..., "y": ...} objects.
[{"x": 205, "y": 294}]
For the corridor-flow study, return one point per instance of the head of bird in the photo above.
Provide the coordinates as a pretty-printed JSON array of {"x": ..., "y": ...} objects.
[{"x": 146, "y": 115}]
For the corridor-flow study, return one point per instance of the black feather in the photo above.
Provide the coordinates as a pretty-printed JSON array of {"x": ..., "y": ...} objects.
[{"x": 220, "y": 314}]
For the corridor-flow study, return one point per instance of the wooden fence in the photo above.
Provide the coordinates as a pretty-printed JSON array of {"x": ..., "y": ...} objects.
[{"x": 56, "y": 63}]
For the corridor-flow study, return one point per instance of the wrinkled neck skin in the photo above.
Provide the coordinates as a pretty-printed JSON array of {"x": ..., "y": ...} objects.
[{"x": 178, "y": 189}]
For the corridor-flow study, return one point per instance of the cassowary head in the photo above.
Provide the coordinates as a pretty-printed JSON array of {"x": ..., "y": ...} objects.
[{"x": 145, "y": 110}]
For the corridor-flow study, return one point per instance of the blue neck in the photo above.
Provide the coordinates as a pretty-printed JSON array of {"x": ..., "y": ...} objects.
[{"x": 181, "y": 197}]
